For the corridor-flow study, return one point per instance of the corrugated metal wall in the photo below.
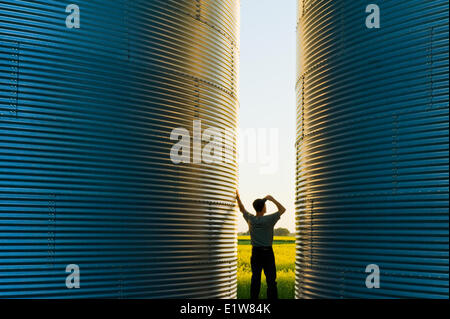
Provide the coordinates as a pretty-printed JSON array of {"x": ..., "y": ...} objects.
[
  {"x": 372, "y": 149},
  {"x": 85, "y": 170}
]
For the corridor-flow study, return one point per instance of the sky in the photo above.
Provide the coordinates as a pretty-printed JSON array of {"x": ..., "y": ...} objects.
[{"x": 267, "y": 105}]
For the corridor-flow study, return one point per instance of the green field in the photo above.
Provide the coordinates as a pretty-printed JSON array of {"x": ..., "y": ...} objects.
[{"x": 284, "y": 248}]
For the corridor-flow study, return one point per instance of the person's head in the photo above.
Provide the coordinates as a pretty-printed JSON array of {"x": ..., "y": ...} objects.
[{"x": 260, "y": 206}]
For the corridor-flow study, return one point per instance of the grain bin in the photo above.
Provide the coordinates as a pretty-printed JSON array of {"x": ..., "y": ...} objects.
[
  {"x": 86, "y": 176},
  {"x": 372, "y": 149}
]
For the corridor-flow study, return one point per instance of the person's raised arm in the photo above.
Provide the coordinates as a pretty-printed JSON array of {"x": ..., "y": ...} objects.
[
  {"x": 241, "y": 206},
  {"x": 280, "y": 207}
]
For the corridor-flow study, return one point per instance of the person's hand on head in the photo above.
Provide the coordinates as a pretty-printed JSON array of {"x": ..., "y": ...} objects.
[{"x": 269, "y": 197}]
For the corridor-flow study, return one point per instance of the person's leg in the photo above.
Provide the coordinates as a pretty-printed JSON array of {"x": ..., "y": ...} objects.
[
  {"x": 256, "y": 265},
  {"x": 270, "y": 271}
]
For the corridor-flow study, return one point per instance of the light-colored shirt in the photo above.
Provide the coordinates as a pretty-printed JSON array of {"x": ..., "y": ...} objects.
[{"x": 261, "y": 228}]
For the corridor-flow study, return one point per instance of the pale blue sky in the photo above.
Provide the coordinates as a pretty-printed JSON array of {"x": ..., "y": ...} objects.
[{"x": 267, "y": 98}]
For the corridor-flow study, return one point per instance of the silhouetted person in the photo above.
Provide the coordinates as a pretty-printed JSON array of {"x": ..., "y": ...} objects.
[{"x": 261, "y": 234}]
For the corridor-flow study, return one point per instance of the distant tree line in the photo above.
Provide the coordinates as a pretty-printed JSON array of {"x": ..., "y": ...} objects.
[{"x": 276, "y": 232}]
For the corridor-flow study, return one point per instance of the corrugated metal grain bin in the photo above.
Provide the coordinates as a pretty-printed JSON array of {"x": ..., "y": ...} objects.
[
  {"x": 86, "y": 176},
  {"x": 372, "y": 149}
]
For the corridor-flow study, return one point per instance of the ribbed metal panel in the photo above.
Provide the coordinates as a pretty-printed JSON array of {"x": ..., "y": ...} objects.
[
  {"x": 372, "y": 149},
  {"x": 85, "y": 170}
]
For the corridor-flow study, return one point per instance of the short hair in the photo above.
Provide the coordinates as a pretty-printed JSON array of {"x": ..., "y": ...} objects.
[{"x": 258, "y": 204}]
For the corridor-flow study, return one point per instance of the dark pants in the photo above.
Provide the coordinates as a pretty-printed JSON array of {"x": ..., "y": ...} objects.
[{"x": 263, "y": 258}]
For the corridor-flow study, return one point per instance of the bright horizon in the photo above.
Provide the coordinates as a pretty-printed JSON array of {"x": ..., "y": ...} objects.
[{"x": 267, "y": 100}]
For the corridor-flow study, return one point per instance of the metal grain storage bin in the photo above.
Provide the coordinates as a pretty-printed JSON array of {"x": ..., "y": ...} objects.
[
  {"x": 85, "y": 171},
  {"x": 372, "y": 149}
]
